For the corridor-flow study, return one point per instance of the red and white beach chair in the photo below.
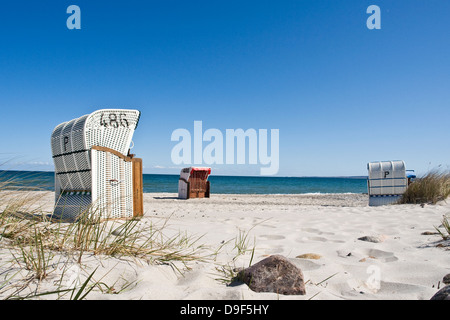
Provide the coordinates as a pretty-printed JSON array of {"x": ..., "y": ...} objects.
[{"x": 193, "y": 183}]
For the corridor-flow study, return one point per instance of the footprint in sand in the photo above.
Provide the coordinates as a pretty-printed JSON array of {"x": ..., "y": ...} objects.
[
  {"x": 306, "y": 265},
  {"x": 317, "y": 231},
  {"x": 383, "y": 256},
  {"x": 309, "y": 239},
  {"x": 274, "y": 250},
  {"x": 389, "y": 288},
  {"x": 267, "y": 226},
  {"x": 273, "y": 237}
]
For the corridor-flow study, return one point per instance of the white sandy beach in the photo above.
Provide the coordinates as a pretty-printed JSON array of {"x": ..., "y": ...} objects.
[{"x": 405, "y": 264}]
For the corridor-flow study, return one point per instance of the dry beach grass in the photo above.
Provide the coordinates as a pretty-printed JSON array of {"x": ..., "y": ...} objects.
[
  {"x": 39, "y": 246},
  {"x": 434, "y": 186}
]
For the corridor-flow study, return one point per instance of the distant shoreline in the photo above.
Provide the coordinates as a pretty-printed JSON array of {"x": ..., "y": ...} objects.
[
  {"x": 44, "y": 180},
  {"x": 215, "y": 175}
]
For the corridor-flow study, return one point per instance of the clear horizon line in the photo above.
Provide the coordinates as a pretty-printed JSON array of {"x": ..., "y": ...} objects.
[{"x": 221, "y": 175}]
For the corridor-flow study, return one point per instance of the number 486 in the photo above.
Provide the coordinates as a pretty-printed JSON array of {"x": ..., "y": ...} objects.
[{"x": 112, "y": 120}]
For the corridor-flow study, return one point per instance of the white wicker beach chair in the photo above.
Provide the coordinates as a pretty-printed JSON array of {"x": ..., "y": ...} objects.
[
  {"x": 386, "y": 182},
  {"x": 94, "y": 171}
]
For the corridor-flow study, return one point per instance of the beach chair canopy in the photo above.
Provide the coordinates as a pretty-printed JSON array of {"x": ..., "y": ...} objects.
[
  {"x": 410, "y": 174},
  {"x": 200, "y": 172},
  {"x": 193, "y": 183},
  {"x": 92, "y": 164}
]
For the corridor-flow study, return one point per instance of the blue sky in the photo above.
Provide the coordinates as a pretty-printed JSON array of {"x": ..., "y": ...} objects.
[{"x": 340, "y": 94}]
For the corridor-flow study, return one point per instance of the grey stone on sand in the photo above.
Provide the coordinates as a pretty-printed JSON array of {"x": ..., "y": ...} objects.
[
  {"x": 274, "y": 274},
  {"x": 446, "y": 279},
  {"x": 443, "y": 294},
  {"x": 371, "y": 239}
]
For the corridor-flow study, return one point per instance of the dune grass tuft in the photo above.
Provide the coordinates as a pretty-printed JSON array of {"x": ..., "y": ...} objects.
[
  {"x": 431, "y": 188},
  {"x": 445, "y": 233}
]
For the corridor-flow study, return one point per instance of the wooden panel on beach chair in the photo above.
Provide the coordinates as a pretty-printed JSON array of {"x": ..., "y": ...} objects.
[
  {"x": 208, "y": 187},
  {"x": 198, "y": 184},
  {"x": 138, "y": 186}
]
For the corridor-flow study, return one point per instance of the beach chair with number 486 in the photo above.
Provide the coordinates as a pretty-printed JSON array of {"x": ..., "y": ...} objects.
[{"x": 94, "y": 170}]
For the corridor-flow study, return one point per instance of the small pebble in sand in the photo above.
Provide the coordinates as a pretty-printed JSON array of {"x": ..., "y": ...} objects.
[
  {"x": 372, "y": 239},
  {"x": 313, "y": 256}
]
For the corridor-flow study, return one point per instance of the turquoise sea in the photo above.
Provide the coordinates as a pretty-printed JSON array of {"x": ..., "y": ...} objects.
[{"x": 219, "y": 184}]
